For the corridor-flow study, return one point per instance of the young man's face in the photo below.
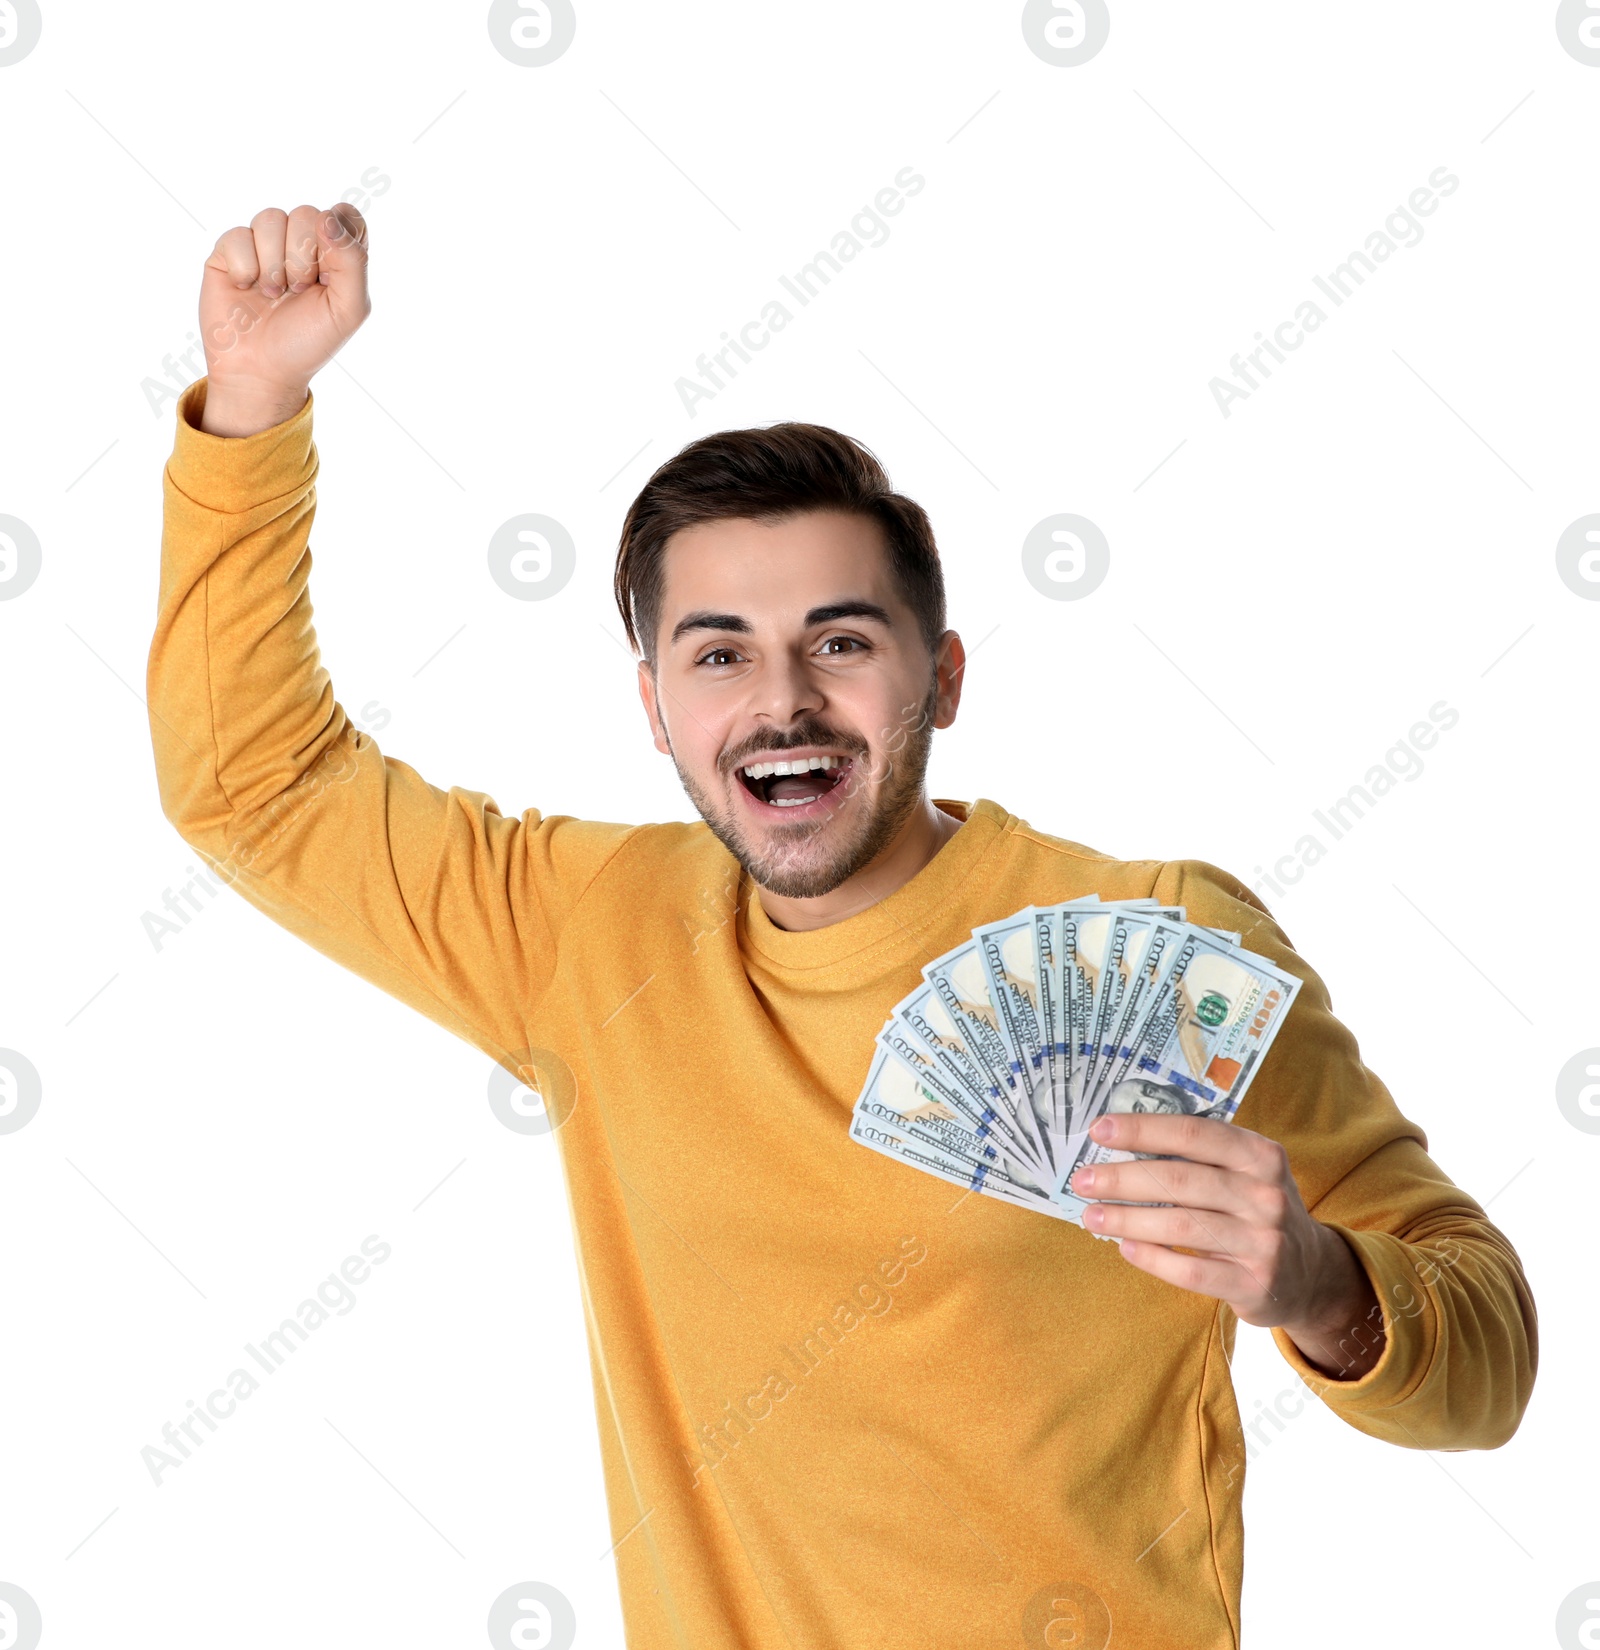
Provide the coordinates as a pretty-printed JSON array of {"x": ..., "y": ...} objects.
[{"x": 791, "y": 642}]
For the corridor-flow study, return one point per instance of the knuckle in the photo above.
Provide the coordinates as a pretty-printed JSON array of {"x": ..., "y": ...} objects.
[{"x": 1273, "y": 1203}]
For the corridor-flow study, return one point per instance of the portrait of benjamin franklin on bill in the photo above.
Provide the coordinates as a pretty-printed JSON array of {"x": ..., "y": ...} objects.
[{"x": 1140, "y": 1094}]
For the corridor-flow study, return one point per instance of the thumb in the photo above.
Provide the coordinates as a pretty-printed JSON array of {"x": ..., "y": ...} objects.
[
  {"x": 342, "y": 247},
  {"x": 342, "y": 265}
]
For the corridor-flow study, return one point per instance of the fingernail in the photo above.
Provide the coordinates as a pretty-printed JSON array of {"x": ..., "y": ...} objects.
[
  {"x": 1095, "y": 1216},
  {"x": 1086, "y": 1179},
  {"x": 300, "y": 286},
  {"x": 1104, "y": 1129}
]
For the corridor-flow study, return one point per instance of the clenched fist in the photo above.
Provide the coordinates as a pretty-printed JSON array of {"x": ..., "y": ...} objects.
[{"x": 278, "y": 300}]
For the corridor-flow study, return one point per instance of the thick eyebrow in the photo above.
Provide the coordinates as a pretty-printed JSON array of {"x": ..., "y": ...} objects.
[
  {"x": 738, "y": 626},
  {"x": 848, "y": 610},
  {"x": 709, "y": 621}
]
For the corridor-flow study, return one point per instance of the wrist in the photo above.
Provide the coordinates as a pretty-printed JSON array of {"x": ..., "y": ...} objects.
[
  {"x": 239, "y": 407},
  {"x": 1341, "y": 1330}
]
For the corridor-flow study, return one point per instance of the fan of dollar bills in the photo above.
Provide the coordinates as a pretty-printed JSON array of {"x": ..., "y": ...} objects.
[{"x": 991, "y": 1072}]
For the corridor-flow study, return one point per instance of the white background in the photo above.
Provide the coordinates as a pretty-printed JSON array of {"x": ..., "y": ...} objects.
[{"x": 1290, "y": 588}]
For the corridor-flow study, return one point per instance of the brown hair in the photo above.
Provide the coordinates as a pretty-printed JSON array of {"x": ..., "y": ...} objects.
[{"x": 767, "y": 475}]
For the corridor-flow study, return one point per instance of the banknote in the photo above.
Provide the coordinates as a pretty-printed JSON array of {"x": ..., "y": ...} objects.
[
  {"x": 991, "y": 1071},
  {"x": 1011, "y": 968},
  {"x": 1047, "y": 920},
  {"x": 1209, "y": 1022},
  {"x": 948, "y": 1043},
  {"x": 960, "y": 982},
  {"x": 921, "y": 1081},
  {"x": 897, "y": 1099},
  {"x": 899, "y": 1118}
]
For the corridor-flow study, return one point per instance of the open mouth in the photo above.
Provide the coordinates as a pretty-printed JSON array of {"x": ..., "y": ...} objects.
[{"x": 793, "y": 784}]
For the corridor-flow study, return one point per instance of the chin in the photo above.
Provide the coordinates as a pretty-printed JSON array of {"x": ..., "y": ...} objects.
[
  {"x": 799, "y": 858},
  {"x": 808, "y": 849}
]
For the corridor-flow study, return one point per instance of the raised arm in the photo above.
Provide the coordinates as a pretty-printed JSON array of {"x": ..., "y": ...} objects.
[{"x": 432, "y": 895}]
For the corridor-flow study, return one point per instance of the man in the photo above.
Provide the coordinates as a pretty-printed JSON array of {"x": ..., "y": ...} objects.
[
  {"x": 838, "y": 1405},
  {"x": 1139, "y": 1094}
]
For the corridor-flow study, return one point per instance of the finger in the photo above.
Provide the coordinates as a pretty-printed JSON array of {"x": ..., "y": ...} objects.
[
  {"x": 270, "y": 226},
  {"x": 1220, "y": 1279},
  {"x": 235, "y": 256},
  {"x": 1167, "y": 1180},
  {"x": 301, "y": 245},
  {"x": 1202, "y": 1139},
  {"x": 1213, "y": 1234}
]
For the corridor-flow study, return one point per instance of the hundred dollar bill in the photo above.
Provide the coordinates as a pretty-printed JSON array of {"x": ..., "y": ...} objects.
[
  {"x": 1125, "y": 939},
  {"x": 1085, "y": 937},
  {"x": 1047, "y": 971},
  {"x": 1053, "y": 1014},
  {"x": 892, "y": 1141},
  {"x": 1081, "y": 945},
  {"x": 1011, "y": 964},
  {"x": 1143, "y": 943},
  {"x": 1209, "y": 1023},
  {"x": 1111, "y": 1000},
  {"x": 895, "y": 1097},
  {"x": 947, "y": 1040},
  {"x": 960, "y": 981},
  {"x": 920, "y": 1080}
]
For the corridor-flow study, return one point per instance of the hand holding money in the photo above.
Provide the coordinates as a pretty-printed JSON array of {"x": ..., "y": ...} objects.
[{"x": 1218, "y": 1212}]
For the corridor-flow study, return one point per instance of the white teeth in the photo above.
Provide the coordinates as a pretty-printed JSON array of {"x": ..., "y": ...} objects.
[{"x": 801, "y": 764}]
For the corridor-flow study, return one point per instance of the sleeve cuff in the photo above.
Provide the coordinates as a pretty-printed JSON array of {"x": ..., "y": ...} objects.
[
  {"x": 235, "y": 473},
  {"x": 1410, "y": 1326}
]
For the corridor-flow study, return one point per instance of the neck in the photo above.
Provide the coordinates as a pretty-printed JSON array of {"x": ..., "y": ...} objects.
[{"x": 917, "y": 841}]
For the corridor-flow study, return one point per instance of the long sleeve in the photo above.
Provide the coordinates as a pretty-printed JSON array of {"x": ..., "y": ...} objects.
[
  {"x": 1461, "y": 1331},
  {"x": 431, "y": 895}
]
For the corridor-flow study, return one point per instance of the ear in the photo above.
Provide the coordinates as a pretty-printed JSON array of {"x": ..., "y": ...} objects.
[
  {"x": 950, "y": 666},
  {"x": 652, "y": 709}
]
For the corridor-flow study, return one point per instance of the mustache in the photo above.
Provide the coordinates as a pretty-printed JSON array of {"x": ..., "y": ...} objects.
[{"x": 794, "y": 738}]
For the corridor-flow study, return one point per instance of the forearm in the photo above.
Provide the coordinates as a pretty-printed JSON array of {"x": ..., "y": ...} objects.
[
  {"x": 1456, "y": 1364},
  {"x": 240, "y": 706}
]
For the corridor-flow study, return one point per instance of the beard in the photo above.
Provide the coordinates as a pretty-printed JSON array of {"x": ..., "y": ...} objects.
[{"x": 805, "y": 861}]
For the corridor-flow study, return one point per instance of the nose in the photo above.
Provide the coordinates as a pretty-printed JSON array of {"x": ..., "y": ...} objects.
[{"x": 784, "y": 690}]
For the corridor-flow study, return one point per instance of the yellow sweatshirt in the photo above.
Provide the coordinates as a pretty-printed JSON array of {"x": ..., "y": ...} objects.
[{"x": 841, "y": 1404}]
